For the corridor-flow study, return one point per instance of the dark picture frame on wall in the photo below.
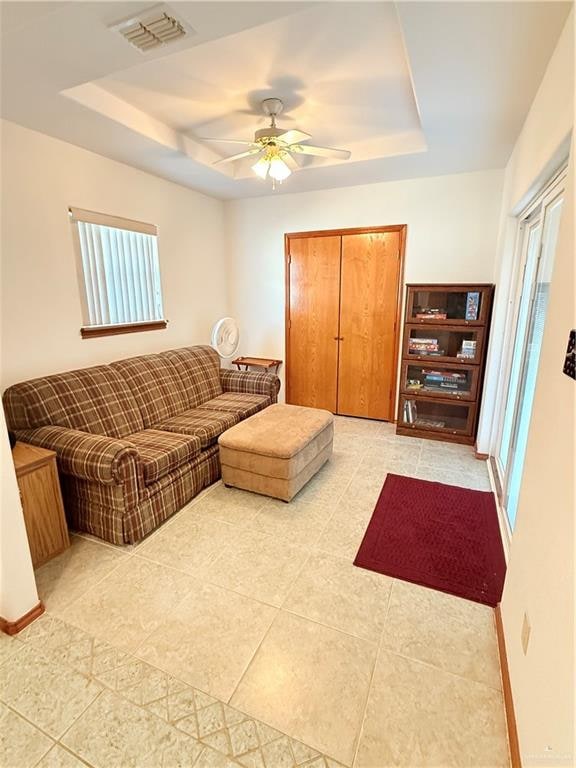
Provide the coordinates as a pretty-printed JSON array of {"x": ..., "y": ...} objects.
[{"x": 570, "y": 359}]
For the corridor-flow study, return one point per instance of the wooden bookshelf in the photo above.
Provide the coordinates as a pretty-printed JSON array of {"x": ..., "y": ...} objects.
[{"x": 443, "y": 357}]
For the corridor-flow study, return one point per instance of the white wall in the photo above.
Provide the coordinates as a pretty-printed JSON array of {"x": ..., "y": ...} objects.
[
  {"x": 540, "y": 576},
  {"x": 41, "y": 307},
  {"x": 541, "y": 147},
  {"x": 452, "y": 228}
]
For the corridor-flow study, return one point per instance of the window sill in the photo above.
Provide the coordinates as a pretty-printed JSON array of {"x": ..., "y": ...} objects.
[{"x": 92, "y": 331}]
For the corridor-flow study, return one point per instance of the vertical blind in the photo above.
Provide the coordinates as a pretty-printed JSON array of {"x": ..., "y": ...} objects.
[{"x": 121, "y": 274}]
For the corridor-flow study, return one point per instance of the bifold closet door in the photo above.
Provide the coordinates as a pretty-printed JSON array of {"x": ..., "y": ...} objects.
[
  {"x": 370, "y": 275},
  {"x": 313, "y": 302}
]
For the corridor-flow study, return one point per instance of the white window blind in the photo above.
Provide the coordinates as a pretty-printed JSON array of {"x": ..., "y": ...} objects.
[{"x": 121, "y": 270}]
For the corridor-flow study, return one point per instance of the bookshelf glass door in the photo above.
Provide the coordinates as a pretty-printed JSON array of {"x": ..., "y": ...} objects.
[
  {"x": 458, "y": 382},
  {"x": 427, "y": 414},
  {"x": 442, "y": 343},
  {"x": 448, "y": 305}
]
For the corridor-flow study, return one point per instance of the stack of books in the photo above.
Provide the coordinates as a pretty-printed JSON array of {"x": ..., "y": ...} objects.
[
  {"x": 430, "y": 313},
  {"x": 442, "y": 381},
  {"x": 424, "y": 347},
  {"x": 468, "y": 349}
]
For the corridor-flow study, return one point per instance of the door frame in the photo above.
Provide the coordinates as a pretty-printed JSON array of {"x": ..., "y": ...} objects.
[{"x": 402, "y": 230}]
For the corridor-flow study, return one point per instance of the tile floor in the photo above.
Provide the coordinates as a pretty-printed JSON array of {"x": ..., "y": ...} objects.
[{"x": 240, "y": 634}]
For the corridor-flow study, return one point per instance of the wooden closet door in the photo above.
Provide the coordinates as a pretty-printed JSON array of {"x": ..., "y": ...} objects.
[
  {"x": 313, "y": 286},
  {"x": 368, "y": 309}
]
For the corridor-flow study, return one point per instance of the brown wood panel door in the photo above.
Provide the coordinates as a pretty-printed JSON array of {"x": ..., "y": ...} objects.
[
  {"x": 371, "y": 266},
  {"x": 312, "y": 301}
]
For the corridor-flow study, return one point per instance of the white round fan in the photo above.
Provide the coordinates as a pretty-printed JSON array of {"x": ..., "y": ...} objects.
[{"x": 226, "y": 337}]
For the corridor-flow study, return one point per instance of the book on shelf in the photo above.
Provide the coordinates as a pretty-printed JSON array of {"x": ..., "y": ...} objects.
[
  {"x": 467, "y": 349},
  {"x": 431, "y": 316},
  {"x": 472, "y": 305},
  {"x": 430, "y": 313},
  {"x": 409, "y": 411},
  {"x": 427, "y": 423}
]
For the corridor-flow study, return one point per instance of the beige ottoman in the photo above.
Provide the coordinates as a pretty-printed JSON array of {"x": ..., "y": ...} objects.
[{"x": 275, "y": 452}]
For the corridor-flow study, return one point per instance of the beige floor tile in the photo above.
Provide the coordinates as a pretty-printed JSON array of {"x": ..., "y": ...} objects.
[
  {"x": 9, "y": 645},
  {"x": 113, "y": 733},
  {"x": 209, "y": 639},
  {"x": 298, "y": 522},
  {"x": 129, "y": 603},
  {"x": 189, "y": 543},
  {"x": 453, "y": 634},
  {"x": 21, "y": 745},
  {"x": 61, "y": 580},
  {"x": 310, "y": 682},
  {"x": 48, "y": 695},
  {"x": 441, "y": 474},
  {"x": 393, "y": 450},
  {"x": 421, "y": 716},
  {"x": 363, "y": 490},
  {"x": 229, "y": 505},
  {"x": 334, "y": 592},
  {"x": 58, "y": 757},
  {"x": 258, "y": 566},
  {"x": 457, "y": 462},
  {"x": 210, "y": 758},
  {"x": 350, "y": 445},
  {"x": 344, "y": 531},
  {"x": 327, "y": 486},
  {"x": 71, "y": 647},
  {"x": 348, "y": 425}
]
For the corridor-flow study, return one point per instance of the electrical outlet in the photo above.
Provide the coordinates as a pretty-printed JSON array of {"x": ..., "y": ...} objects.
[{"x": 525, "y": 634}]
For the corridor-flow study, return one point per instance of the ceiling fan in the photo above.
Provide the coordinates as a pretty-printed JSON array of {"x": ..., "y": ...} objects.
[{"x": 275, "y": 148}]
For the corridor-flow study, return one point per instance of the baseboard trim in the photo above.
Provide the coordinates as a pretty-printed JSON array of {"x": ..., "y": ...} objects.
[
  {"x": 513, "y": 743},
  {"x": 13, "y": 627}
]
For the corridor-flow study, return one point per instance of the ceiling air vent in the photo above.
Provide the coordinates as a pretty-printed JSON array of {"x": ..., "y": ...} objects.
[{"x": 157, "y": 26}]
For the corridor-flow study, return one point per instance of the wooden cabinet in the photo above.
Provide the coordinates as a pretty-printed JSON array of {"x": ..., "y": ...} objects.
[
  {"x": 443, "y": 360},
  {"x": 342, "y": 303},
  {"x": 44, "y": 517}
]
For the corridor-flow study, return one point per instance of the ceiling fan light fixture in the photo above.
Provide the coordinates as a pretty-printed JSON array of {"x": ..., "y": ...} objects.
[
  {"x": 261, "y": 167},
  {"x": 278, "y": 169}
]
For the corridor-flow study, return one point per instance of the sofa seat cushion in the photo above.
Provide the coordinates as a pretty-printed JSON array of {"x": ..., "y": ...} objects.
[
  {"x": 161, "y": 452},
  {"x": 202, "y": 423},
  {"x": 236, "y": 402}
]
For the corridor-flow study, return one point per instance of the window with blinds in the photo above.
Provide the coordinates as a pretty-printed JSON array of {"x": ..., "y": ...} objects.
[{"x": 121, "y": 274}]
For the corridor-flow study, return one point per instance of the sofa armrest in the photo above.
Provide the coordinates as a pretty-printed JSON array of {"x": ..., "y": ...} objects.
[
  {"x": 250, "y": 383},
  {"x": 84, "y": 455}
]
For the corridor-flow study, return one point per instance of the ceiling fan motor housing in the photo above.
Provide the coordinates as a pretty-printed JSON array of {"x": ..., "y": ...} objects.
[{"x": 268, "y": 133}]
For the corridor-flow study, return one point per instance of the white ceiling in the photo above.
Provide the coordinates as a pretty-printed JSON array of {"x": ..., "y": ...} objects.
[{"x": 412, "y": 88}]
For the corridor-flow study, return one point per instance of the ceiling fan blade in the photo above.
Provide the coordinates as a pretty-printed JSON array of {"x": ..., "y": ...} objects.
[
  {"x": 307, "y": 149},
  {"x": 293, "y": 136},
  {"x": 290, "y": 161},
  {"x": 231, "y": 141},
  {"x": 239, "y": 156}
]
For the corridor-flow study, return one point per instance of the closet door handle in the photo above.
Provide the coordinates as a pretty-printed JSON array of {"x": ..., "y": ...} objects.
[{"x": 338, "y": 338}]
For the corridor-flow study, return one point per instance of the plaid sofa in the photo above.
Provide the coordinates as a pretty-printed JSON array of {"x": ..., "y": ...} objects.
[{"x": 136, "y": 439}]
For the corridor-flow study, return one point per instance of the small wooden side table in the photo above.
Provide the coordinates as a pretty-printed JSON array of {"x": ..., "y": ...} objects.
[
  {"x": 268, "y": 364},
  {"x": 44, "y": 516}
]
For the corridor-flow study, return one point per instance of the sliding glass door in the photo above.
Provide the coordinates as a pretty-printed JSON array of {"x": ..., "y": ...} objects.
[{"x": 537, "y": 247}]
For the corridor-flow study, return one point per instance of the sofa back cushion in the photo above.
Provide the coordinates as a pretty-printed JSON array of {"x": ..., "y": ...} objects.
[
  {"x": 198, "y": 371},
  {"x": 96, "y": 400},
  {"x": 155, "y": 386}
]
